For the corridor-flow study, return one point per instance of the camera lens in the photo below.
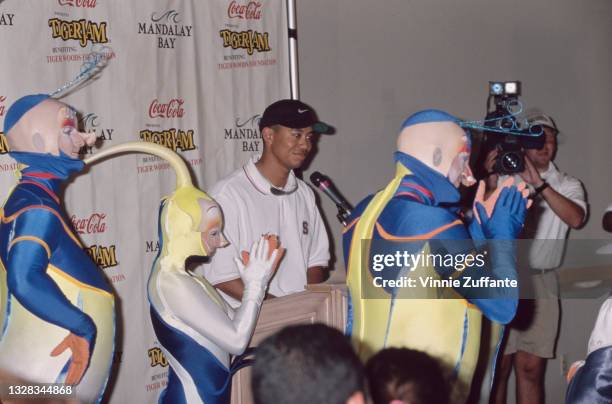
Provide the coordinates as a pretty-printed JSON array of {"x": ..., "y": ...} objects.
[
  {"x": 506, "y": 123},
  {"x": 511, "y": 162}
]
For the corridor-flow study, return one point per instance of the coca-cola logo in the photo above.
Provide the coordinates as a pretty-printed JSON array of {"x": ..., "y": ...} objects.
[
  {"x": 250, "y": 11},
  {"x": 2, "y": 99},
  {"x": 95, "y": 223},
  {"x": 171, "y": 109},
  {"x": 78, "y": 3}
]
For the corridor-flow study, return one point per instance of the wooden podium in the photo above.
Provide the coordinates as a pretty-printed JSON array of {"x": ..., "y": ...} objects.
[{"x": 322, "y": 303}]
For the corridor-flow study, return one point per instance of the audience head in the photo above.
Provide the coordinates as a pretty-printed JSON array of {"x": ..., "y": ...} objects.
[
  {"x": 406, "y": 376},
  {"x": 307, "y": 364}
]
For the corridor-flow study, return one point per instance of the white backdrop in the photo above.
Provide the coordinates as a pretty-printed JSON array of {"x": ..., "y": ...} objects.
[{"x": 190, "y": 75}]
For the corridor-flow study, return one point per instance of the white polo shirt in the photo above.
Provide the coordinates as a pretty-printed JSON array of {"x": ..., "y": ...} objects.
[
  {"x": 250, "y": 210},
  {"x": 544, "y": 226},
  {"x": 602, "y": 332}
]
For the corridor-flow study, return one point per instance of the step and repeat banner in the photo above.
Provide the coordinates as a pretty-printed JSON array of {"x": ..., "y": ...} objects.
[{"x": 191, "y": 75}]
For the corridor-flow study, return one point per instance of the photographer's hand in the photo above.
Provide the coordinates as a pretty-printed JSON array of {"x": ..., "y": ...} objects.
[{"x": 531, "y": 175}]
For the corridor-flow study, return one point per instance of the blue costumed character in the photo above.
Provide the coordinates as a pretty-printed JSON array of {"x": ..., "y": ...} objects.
[
  {"x": 57, "y": 310},
  {"x": 417, "y": 213},
  {"x": 591, "y": 379}
]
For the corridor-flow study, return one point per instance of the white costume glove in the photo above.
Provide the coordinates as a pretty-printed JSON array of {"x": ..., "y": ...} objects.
[{"x": 257, "y": 273}]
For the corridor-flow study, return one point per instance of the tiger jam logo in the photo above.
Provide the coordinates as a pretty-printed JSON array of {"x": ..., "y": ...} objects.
[
  {"x": 83, "y": 31},
  {"x": 157, "y": 357},
  {"x": 249, "y": 40},
  {"x": 3, "y": 144},
  {"x": 104, "y": 257},
  {"x": 174, "y": 139}
]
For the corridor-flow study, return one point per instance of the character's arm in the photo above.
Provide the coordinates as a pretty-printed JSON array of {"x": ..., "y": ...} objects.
[
  {"x": 191, "y": 304},
  {"x": 28, "y": 258},
  {"x": 569, "y": 204},
  {"x": 500, "y": 228}
]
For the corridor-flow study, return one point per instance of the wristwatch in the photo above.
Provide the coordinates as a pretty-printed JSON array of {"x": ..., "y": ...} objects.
[{"x": 541, "y": 188}]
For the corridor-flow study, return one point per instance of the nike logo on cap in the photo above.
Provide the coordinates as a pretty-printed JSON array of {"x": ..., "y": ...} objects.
[{"x": 301, "y": 111}]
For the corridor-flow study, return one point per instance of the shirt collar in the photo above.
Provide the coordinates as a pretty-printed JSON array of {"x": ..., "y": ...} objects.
[{"x": 262, "y": 184}]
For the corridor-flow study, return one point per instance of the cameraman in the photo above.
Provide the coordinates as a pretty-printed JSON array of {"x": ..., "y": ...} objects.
[{"x": 559, "y": 203}]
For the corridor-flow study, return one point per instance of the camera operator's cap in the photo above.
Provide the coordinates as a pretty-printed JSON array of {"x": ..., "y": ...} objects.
[
  {"x": 293, "y": 114},
  {"x": 543, "y": 120}
]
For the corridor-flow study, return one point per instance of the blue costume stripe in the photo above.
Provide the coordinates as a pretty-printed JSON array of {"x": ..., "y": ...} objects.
[
  {"x": 466, "y": 329},
  {"x": 197, "y": 361},
  {"x": 173, "y": 393},
  {"x": 500, "y": 340}
]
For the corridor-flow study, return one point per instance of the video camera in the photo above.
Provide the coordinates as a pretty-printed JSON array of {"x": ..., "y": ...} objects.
[{"x": 509, "y": 135}]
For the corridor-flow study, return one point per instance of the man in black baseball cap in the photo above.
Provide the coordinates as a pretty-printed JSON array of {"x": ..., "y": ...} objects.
[
  {"x": 266, "y": 197},
  {"x": 293, "y": 114}
]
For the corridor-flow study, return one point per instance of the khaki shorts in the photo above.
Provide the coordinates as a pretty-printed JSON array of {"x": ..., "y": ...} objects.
[{"x": 536, "y": 324}]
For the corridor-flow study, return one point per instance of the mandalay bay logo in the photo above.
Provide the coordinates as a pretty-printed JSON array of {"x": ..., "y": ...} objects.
[
  {"x": 246, "y": 133},
  {"x": 91, "y": 123},
  {"x": 167, "y": 26}
]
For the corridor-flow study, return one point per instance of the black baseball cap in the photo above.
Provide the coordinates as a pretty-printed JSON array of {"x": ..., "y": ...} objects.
[{"x": 293, "y": 114}]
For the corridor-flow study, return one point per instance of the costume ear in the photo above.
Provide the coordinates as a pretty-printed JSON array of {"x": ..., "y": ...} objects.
[{"x": 38, "y": 142}]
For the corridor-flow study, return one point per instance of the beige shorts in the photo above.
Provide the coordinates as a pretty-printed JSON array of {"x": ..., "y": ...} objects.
[{"x": 536, "y": 324}]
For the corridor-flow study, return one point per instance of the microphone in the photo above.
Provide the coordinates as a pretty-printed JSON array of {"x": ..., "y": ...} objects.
[{"x": 324, "y": 184}]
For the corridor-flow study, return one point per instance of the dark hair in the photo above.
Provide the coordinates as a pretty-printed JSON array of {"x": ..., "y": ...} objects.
[
  {"x": 408, "y": 375},
  {"x": 306, "y": 364}
]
